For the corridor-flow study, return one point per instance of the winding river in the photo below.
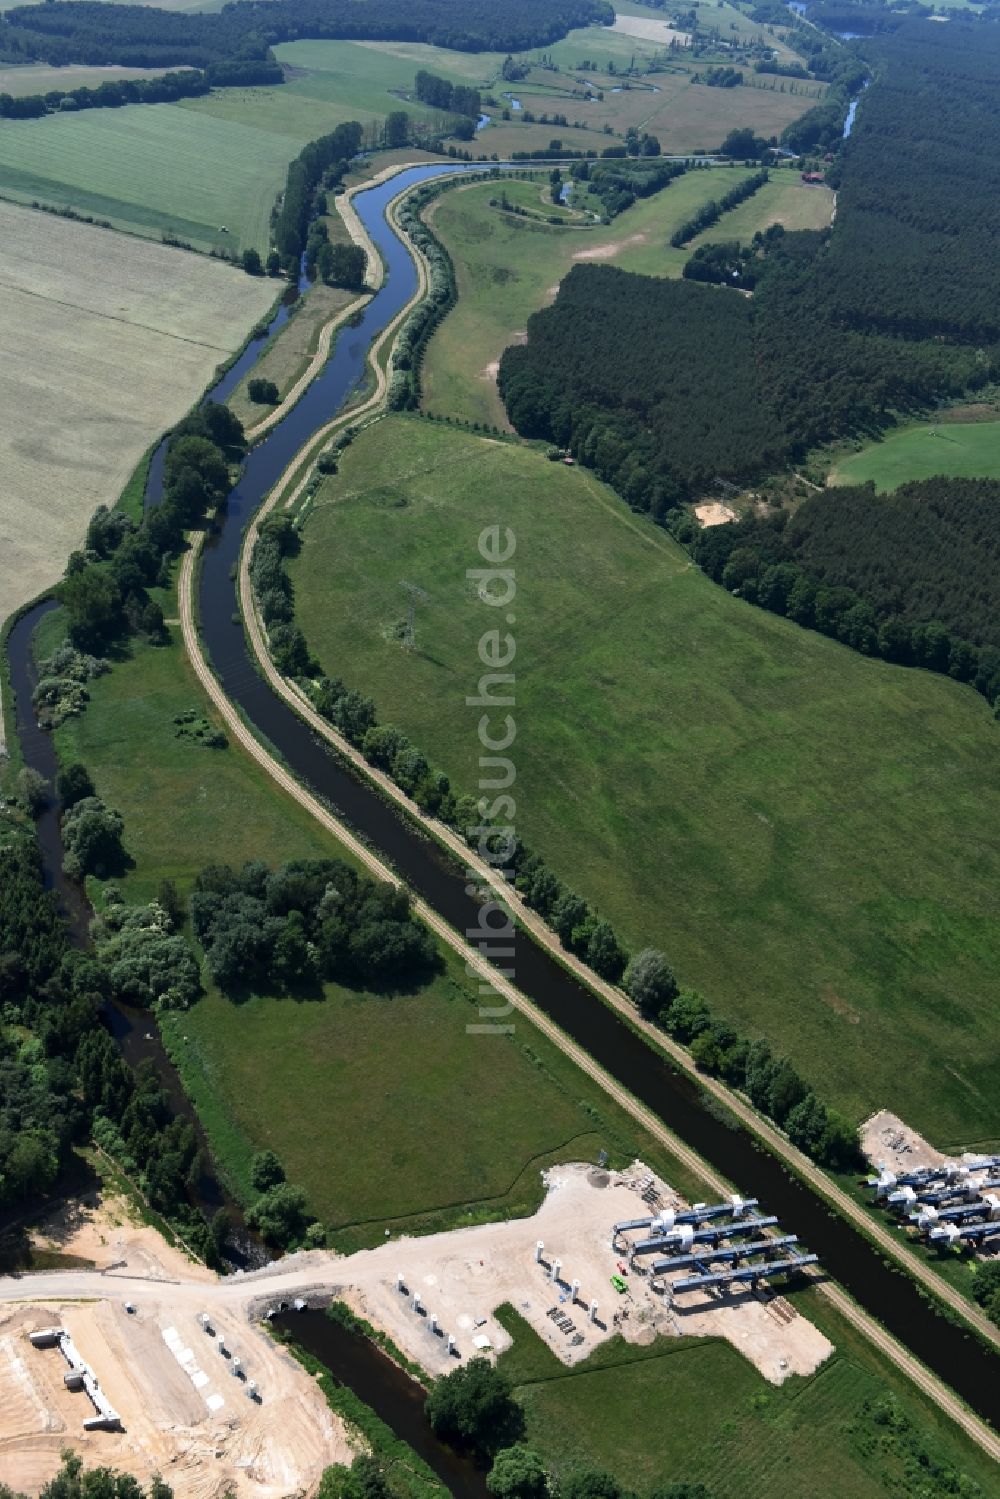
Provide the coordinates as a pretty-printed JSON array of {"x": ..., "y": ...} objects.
[{"x": 885, "y": 1292}]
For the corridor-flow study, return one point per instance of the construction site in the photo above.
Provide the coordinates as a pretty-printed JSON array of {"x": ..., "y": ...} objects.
[
  {"x": 175, "y": 1372},
  {"x": 952, "y": 1203}
]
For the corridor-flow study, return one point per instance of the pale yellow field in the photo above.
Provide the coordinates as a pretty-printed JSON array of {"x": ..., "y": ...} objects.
[
  {"x": 105, "y": 341},
  {"x": 39, "y": 78}
]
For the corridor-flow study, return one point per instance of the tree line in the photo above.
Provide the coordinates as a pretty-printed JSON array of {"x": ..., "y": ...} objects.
[
  {"x": 105, "y": 589},
  {"x": 62, "y": 1078},
  {"x": 441, "y": 94},
  {"x": 322, "y": 161},
  {"x": 234, "y": 44},
  {"x": 111, "y": 94},
  {"x": 71, "y": 1482},
  {"x": 911, "y": 576},
  {"x": 711, "y": 212}
]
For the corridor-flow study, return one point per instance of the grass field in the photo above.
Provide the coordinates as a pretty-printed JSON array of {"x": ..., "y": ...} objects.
[
  {"x": 151, "y": 168},
  {"x": 338, "y": 1086},
  {"x": 104, "y": 341},
  {"x": 333, "y": 1084},
  {"x": 695, "y": 1410},
  {"x": 507, "y": 268},
  {"x": 962, "y": 450},
  {"x": 786, "y": 199},
  {"x": 806, "y": 832}
]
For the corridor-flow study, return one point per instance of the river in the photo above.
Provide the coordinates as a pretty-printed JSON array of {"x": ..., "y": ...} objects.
[{"x": 885, "y": 1292}]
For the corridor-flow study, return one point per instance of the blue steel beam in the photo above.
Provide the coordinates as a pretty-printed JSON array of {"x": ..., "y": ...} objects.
[
  {"x": 748, "y": 1273},
  {"x": 733, "y": 1252},
  {"x": 704, "y": 1235}
]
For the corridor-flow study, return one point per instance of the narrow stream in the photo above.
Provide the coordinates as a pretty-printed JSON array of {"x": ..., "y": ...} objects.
[
  {"x": 396, "y": 1399},
  {"x": 134, "y": 1029},
  {"x": 887, "y": 1293}
]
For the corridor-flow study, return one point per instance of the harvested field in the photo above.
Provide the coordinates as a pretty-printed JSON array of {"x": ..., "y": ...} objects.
[
  {"x": 39, "y": 78},
  {"x": 104, "y": 341},
  {"x": 650, "y": 30}
]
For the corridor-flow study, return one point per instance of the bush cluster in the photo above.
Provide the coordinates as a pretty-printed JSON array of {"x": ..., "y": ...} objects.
[
  {"x": 146, "y": 962},
  {"x": 306, "y": 921}
]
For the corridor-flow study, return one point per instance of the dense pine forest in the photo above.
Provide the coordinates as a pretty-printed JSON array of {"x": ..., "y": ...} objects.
[
  {"x": 914, "y": 249},
  {"x": 664, "y": 386},
  {"x": 912, "y": 576},
  {"x": 234, "y": 44}
]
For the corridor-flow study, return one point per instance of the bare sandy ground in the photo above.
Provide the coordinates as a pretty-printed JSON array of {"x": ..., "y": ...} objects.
[
  {"x": 462, "y": 1277},
  {"x": 609, "y": 251},
  {"x": 186, "y": 1416},
  {"x": 650, "y": 30},
  {"x": 714, "y": 514},
  {"x": 105, "y": 1230},
  {"x": 889, "y": 1142},
  {"x": 190, "y": 1421}
]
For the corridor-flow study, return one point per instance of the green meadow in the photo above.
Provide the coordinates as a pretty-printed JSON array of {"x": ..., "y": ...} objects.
[
  {"x": 151, "y": 169},
  {"x": 807, "y": 833},
  {"x": 333, "y": 1081},
  {"x": 695, "y": 1410},
  {"x": 961, "y": 450}
]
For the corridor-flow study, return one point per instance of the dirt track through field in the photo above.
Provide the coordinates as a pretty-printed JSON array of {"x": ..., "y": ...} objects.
[{"x": 477, "y": 965}]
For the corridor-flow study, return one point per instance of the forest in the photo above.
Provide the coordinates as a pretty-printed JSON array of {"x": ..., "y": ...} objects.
[
  {"x": 748, "y": 383},
  {"x": 62, "y": 1078},
  {"x": 913, "y": 576},
  {"x": 236, "y": 41},
  {"x": 914, "y": 249},
  {"x": 888, "y": 312}
]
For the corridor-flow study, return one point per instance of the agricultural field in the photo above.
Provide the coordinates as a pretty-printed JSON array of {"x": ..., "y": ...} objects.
[
  {"x": 804, "y": 831},
  {"x": 961, "y": 450},
  {"x": 104, "y": 341},
  {"x": 725, "y": 1427},
  {"x": 507, "y": 268},
  {"x": 39, "y": 78},
  {"x": 297, "y": 1074},
  {"x": 152, "y": 169}
]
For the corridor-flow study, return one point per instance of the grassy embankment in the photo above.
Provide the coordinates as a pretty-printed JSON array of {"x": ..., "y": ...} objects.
[
  {"x": 337, "y": 1084},
  {"x": 804, "y": 831},
  {"x": 508, "y": 267},
  {"x": 288, "y": 354},
  {"x": 962, "y": 450},
  {"x": 696, "y": 1410}
]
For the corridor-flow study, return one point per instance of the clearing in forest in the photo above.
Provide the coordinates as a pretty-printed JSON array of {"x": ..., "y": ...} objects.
[
  {"x": 104, "y": 341},
  {"x": 959, "y": 450},
  {"x": 786, "y": 819}
]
